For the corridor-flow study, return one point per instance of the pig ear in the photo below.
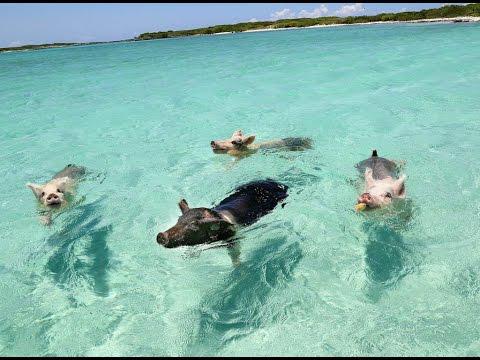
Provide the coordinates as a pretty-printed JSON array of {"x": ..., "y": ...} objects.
[
  {"x": 399, "y": 186},
  {"x": 248, "y": 140},
  {"x": 37, "y": 189},
  {"x": 237, "y": 133},
  {"x": 216, "y": 224},
  {"x": 183, "y": 206}
]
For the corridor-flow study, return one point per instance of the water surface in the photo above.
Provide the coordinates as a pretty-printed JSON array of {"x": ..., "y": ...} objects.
[{"x": 315, "y": 277}]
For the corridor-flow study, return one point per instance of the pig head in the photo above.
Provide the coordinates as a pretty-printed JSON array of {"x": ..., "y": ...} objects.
[{"x": 196, "y": 226}]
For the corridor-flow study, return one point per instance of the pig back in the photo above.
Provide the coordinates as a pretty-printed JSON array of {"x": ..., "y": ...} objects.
[
  {"x": 381, "y": 167},
  {"x": 253, "y": 200},
  {"x": 71, "y": 171}
]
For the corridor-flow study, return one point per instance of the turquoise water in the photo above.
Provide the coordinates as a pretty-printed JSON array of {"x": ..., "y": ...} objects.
[{"x": 315, "y": 277}]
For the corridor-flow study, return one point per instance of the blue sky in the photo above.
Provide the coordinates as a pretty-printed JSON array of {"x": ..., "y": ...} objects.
[{"x": 22, "y": 24}]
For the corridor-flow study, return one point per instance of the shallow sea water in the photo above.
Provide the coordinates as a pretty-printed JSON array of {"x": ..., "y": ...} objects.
[{"x": 315, "y": 277}]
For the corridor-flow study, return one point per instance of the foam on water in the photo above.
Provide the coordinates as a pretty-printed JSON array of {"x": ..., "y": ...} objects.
[{"x": 316, "y": 278}]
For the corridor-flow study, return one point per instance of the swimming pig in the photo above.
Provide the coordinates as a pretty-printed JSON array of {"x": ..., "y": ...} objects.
[
  {"x": 239, "y": 144},
  {"x": 55, "y": 193},
  {"x": 246, "y": 205},
  {"x": 381, "y": 182}
]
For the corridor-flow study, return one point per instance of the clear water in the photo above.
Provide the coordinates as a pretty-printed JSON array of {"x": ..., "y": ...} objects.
[{"x": 315, "y": 277}]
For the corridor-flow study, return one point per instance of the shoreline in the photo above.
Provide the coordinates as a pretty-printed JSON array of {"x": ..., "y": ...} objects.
[{"x": 458, "y": 19}]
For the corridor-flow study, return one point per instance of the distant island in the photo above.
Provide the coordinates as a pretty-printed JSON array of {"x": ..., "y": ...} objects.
[
  {"x": 446, "y": 12},
  {"x": 451, "y": 13},
  {"x": 56, "y": 45}
]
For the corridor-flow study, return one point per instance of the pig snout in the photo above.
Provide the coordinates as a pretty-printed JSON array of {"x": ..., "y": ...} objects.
[
  {"x": 365, "y": 198},
  {"x": 52, "y": 199},
  {"x": 162, "y": 238}
]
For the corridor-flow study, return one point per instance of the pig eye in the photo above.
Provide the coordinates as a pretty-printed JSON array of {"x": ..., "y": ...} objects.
[
  {"x": 43, "y": 193},
  {"x": 60, "y": 191},
  {"x": 389, "y": 195}
]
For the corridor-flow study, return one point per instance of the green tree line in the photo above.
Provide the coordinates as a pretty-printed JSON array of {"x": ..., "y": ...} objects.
[{"x": 448, "y": 11}]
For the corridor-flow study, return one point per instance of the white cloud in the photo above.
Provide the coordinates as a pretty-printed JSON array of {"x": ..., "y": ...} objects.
[
  {"x": 348, "y": 10},
  {"x": 16, "y": 44},
  {"x": 289, "y": 14},
  {"x": 399, "y": 10},
  {"x": 315, "y": 13},
  {"x": 253, "y": 20},
  {"x": 85, "y": 38},
  {"x": 446, "y": 4},
  {"x": 283, "y": 14}
]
